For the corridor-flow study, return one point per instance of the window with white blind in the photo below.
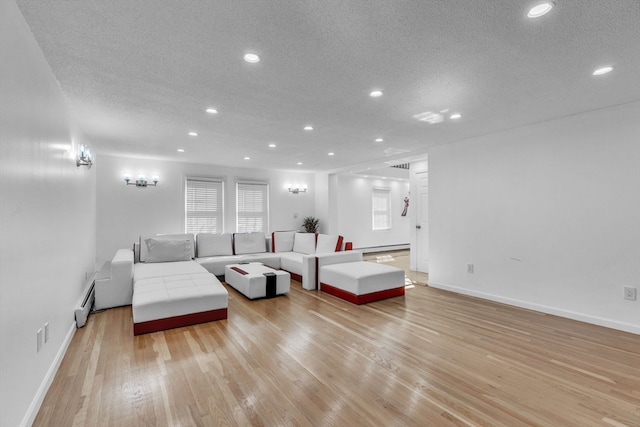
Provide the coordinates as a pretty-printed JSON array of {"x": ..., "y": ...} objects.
[
  {"x": 381, "y": 209},
  {"x": 252, "y": 207},
  {"x": 203, "y": 206}
]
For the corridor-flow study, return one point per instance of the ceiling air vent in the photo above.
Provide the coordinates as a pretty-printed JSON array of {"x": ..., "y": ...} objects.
[{"x": 401, "y": 166}]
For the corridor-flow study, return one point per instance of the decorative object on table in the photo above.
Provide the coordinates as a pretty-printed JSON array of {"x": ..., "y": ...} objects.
[
  {"x": 310, "y": 224},
  {"x": 406, "y": 206}
]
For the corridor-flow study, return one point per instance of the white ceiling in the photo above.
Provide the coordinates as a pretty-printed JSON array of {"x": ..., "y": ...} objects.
[{"x": 139, "y": 74}]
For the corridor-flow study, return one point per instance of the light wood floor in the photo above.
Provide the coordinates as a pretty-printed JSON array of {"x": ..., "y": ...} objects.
[
  {"x": 430, "y": 358},
  {"x": 400, "y": 259}
]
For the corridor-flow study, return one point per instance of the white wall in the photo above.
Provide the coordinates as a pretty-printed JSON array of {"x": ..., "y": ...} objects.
[
  {"x": 126, "y": 212},
  {"x": 548, "y": 214},
  {"x": 47, "y": 220},
  {"x": 353, "y": 208}
]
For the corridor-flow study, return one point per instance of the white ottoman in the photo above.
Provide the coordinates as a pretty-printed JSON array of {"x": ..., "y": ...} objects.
[
  {"x": 250, "y": 280},
  {"x": 362, "y": 282}
]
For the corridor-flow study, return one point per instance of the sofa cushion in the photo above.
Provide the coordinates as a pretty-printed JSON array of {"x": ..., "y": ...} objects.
[
  {"x": 328, "y": 243},
  {"x": 144, "y": 248},
  {"x": 144, "y": 271},
  {"x": 209, "y": 244},
  {"x": 292, "y": 262},
  {"x": 168, "y": 250},
  {"x": 304, "y": 243},
  {"x": 215, "y": 265},
  {"x": 267, "y": 258},
  {"x": 282, "y": 241},
  {"x": 249, "y": 243}
]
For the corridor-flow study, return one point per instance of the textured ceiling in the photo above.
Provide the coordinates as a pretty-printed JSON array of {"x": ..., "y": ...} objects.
[{"x": 139, "y": 74}]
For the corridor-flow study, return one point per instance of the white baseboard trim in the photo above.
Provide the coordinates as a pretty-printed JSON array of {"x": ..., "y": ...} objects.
[
  {"x": 32, "y": 412},
  {"x": 608, "y": 323},
  {"x": 389, "y": 248}
]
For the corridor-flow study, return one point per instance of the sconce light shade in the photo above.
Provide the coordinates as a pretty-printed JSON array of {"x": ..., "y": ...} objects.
[
  {"x": 296, "y": 189},
  {"x": 85, "y": 157},
  {"x": 142, "y": 181}
]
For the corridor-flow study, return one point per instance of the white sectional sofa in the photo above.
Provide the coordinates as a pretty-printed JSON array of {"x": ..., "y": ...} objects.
[
  {"x": 172, "y": 280},
  {"x": 297, "y": 253},
  {"x": 302, "y": 254},
  {"x": 215, "y": 251}
]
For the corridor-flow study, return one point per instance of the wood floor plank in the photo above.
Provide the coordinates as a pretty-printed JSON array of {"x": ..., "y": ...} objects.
[{"x": 430, "y": 357}]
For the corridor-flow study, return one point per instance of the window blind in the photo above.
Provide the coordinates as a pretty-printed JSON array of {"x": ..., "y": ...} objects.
[
  {"x": 252, "y": 207},
  {"x": 203, "y": 207},
  {"x": 381, "y": 209}
]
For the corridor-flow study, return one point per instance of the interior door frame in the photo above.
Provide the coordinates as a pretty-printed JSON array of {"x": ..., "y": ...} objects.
[{"x": 419, "y": 253}]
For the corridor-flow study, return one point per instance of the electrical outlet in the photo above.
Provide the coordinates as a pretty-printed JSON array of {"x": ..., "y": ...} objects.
[
  {"x": 629, "y": 293},
  {"x": 46, "y": 332},
  {"x": 469, "y": 268},
  {"x": 39, "y": 340}
]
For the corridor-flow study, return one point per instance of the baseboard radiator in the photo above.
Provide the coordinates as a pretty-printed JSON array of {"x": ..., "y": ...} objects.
[{"x": 85, "y": 304}]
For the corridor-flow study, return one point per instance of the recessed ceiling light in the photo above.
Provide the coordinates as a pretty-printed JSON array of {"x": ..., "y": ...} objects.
[
  {"x": 379, "y": 140},
  {"x": 308, "y": 128},
  {"x": 193, "y": 134},
  {"x": 212, "y": 111},
  {"x": 299, "y": 163},
  {"x": 540, "y": 9},
  {"x": 603, "y": 70},
  {"x": 180, "y": 150},
  {"x": 375, "y": 93},
  {"x": 247, "y": 158},
  {"x": 455, "y": 116},
  {"x": 272, "y": 145},
  {"x": 330, "y": 154},
  {"x": 251, "y": 58}
]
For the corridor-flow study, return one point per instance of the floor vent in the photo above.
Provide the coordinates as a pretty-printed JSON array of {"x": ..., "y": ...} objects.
[{"x": 85, "y": 304}]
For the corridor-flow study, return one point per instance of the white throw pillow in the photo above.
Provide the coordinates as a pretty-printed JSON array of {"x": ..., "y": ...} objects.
[
  {"x": 210, "y": 244},
  {"x": 144, "y": 250},
  {"x": 327, "y": 243},
  {"x": 283, "y": 241},
  {"x": 249, "y": 243},
  {"x": 304, "y": 243},
  {"x": 168, "y": 250}
]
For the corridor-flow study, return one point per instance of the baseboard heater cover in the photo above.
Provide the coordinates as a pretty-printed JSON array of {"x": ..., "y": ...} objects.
[{"x": 85, "y": 304}]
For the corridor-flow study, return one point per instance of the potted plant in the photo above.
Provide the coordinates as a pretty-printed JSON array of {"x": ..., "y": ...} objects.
[{"x": 310, "y": 224}]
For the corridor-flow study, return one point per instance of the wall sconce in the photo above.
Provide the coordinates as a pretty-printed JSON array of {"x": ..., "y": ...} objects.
[
  {"x": 296, "y": 189},
  {"x": 85, "y": 157},
  {"x": 141, "y": 181}
]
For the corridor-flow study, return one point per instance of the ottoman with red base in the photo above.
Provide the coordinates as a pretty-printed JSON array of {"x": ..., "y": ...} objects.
[{"x": 362, "y": 282}]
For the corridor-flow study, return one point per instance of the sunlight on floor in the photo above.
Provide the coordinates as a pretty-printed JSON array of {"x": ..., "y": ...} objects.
[{"x": 400, "y": 259}]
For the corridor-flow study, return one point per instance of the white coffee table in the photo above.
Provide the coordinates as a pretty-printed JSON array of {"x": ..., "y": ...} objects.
[{"x": 250, "y": 280}]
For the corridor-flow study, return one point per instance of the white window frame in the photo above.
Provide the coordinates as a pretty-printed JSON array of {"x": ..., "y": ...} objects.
[
  {"x": 262, "y": 215},
  {"x": 217, "y": 214},
  {"x": 381, "y": 209}
]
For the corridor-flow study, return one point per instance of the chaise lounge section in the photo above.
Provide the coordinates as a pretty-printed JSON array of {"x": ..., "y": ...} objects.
[{"x": 164, "y": 286}]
